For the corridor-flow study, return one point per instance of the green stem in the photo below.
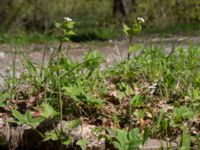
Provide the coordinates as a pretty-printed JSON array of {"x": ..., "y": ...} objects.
[
  {"x": 59, "y": 86},
  {"x": 129, "y": 43},
  {"x": 14, "y": 71}
]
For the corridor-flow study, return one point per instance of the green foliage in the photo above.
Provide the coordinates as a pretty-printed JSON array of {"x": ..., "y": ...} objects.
[
  {"x": 48, "y": 111},
  {"x": 82, "y": 143},
  {"x": 3, "y": 98},
  {"x": 185, "y": 140},
  {"x": 181, "y": 113},
  {"x": 73, "y": 124},
  {"x": 77, "y": 94},
  {"x": 135, "y": 28},
  {"x": 67, "y": 27},
  {"x": 26, "y": 118},
  {"x": 123, "y": 140},
  {"x": 131, "y": 31},
  {"x": 63, "y": 137},
  {"x": 136, "y": 101},
  {"x": 56, "y": 136}
]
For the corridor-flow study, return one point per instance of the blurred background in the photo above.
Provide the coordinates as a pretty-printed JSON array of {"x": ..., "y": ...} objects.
[{"x": 97, "y": 19}]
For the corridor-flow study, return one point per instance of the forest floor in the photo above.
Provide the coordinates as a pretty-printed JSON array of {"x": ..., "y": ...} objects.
[{"x": 123, "y": 82}]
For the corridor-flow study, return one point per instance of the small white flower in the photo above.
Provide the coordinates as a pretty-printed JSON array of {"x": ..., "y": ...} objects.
[
  {"x": 140, "y": 19},
  {"x": 67, "y": 19},
  {"x": 2, "y": 54}
]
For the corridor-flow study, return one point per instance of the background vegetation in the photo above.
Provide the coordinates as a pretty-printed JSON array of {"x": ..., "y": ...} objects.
[{"x": 97, "y": 18}]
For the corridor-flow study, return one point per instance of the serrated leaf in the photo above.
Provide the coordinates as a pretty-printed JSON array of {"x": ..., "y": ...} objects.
[
  {"x": 122, "y": 137},
  {"x": 28, "y": 116},
  {"x": 117, "y": 145},
  {"x": 133, "y": 134},
  {"x": 73, "y": 123},
  {"x": 73, "y": 92},
  {"x": 126, "y": 29},
  {"x": 18, "y": 116},
  {"x": 34, "y": 122},
  {"x": 51, "y": 136},
  {"x": 48, "y": 111},
  {"x": 134, "y": 138}
]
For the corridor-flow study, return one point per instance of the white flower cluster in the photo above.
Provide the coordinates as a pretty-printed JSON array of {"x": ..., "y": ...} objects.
[
  {"x": 67, "y": 19},
  {"x": 140, "y": 19}
]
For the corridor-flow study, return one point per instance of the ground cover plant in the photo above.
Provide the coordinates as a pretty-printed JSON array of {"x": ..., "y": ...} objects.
[{"x": 152, "y": 94}]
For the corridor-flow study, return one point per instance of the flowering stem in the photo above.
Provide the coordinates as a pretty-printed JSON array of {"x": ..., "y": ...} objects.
[{"x": 129, "y": 43}]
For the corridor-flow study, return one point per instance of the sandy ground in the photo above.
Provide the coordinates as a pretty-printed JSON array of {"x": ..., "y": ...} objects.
[{"x": 112, "y": 50}]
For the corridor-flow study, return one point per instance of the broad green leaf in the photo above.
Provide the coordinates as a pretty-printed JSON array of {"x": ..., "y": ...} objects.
[
  {"x": 136, "y": 28},
  {"x": 34, "y": 122},
  {"x": 122, "y": 137},
  {"x": 66, "y": 141},
  {"x": 73, "y": 91},
  {"x": 51, "y": 136},
  {"x": 82, "y": 143},
  {"x": 133, "y": 134},
  {"x": 140, "y": 114},
  {"x": 27, "y": 116},
  {"x": 93, "y": 101},
  {"x": 48, "y": 111},
  {"x": 21, "y": 119},
  {"x": 117, "y": 145},
  {"x": 126, "y": 29},
  {"x": 4, "y": 96},
  {"x": 73, "y": 124},
  {"x": 134, "y": 138}
]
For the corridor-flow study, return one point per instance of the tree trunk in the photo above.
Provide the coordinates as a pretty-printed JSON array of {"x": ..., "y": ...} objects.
[
  {"x": 5, "y": 6},
  {"x": 118, "y": 8}
]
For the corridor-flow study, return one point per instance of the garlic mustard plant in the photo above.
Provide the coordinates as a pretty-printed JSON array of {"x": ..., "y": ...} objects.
[{"x": 132, "y": 30}]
